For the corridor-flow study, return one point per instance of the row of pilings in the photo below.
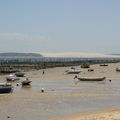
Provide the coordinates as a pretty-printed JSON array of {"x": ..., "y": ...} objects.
[{"x": 12, "y": 66}]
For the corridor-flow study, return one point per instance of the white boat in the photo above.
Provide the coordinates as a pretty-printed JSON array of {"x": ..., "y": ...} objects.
[
  {"x": 73, "y": 71},
  {"x": 103, "y": 64},
  {"x": 12, "y": 77}
]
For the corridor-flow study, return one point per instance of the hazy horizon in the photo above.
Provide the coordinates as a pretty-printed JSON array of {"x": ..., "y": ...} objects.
[{"x": 86, "y": 26}]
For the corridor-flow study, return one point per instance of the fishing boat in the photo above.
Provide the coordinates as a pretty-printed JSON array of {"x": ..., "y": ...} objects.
[
  {"x": 85, "y": 66},
  {"x": 73, "y": 71},
  {"x": 6, "y": 88},
  {"x": 12, "y": 77},
  {"x": 90, "y": 78},
  {"x": 90, "y": 70},
  {"x": 103, "y": 64},
  {"x": 19, "y": 74},
  {"x": 26, "y": 82},
  {"x": 118, "y": 69}
]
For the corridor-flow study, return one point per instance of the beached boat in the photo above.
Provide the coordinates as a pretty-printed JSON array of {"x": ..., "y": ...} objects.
[
  {"x": 118, "y": 69},
  {"x": 90, "y": 70},
  {"x": 103, "y": 64},
  {"x": 73, "y": 71},
  {"x": 26, "y": 82},
  {"x": 90, "y": 78},
  {"x": 6, "y": 88},
  {"x": 12, "y": 77},
  {"x": 85, "y": 66},
  {"x": 19, "y": 74}
]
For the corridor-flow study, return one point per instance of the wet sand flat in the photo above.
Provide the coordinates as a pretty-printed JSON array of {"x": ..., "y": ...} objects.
[
  {"x": 62, "y": 96},
  {"x": 110, "y": 114}
]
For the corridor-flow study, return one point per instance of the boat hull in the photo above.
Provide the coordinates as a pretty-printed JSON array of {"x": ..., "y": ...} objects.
[
  {"x": 12, "y": 79},
  {"x": 26, "y": 82},
  {"x": 92, "y": 79},
  {"x": 103, "y": 64},
  {"x": 118, "y": 69},
  {"x": 6, "y": 89},
  {"x": 73, "y": 72},
  {"x": 19, "y": 74}
]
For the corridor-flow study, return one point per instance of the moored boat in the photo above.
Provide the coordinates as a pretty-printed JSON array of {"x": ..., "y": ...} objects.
[
  {"x": 103, "y": 64},
  {"x": 26, "y": 82},
  {"x": 19, "y": 74},
  {"x": 12, "y": 77},
  {"x": 6, "y": 88},
  {"x": 73, "y": 71},
  {"x": 90, "y": 78},
  {"x": 90, "y": 70},
  {"x": 85, "y": 66},
  {"x": 118, "y": 69}
]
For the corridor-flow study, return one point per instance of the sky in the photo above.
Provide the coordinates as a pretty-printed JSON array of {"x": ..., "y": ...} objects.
[{"x": 87, "y": 26}]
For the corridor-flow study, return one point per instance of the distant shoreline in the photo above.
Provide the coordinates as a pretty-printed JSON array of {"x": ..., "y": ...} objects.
[{"x": 12, "y": 66}]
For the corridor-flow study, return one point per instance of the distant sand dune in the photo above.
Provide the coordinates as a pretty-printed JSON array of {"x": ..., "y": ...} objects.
[{"x": 75, "y": 54}]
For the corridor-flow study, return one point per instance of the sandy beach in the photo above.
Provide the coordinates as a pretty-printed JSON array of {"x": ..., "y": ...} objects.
[
  {"x": 110, "y": 114},
  {"x": 64, "y": 99},
  {"x": 46, "y": 48}
]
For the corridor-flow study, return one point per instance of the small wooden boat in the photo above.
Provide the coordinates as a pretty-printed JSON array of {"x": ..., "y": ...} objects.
[
  {"x": 19, "y": 74},
  {"x": 90, "y": 78},
  {"x": 26, "y": 82},
  {"x": 118, "y": 69},
  {"x": 6, "y": 88},
  {"x": 90, "y": 70},
  {"x": 103, "y": 64},
  {"x": 85, "y": 66},
  {"x": 12, "y": 77},
  {"x": 73, "y": 71}
]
